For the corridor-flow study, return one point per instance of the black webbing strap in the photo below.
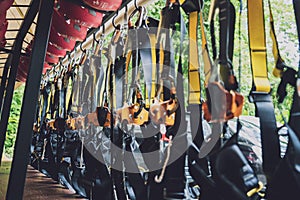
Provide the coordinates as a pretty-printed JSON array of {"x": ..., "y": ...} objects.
[
  {"x": 45, "y": 104},
  {"x": 175, "y": 185},
  {"x": 117, "y": 176},
  {"x": 226, "y": 37},
  {"x": 70, "y": 101},
  {"x": 119, "y": 71},
  {"x": 37, "y": 116},
  {"x": 231, "y": 31},
  {"x": 145, "y": 54},
  {"x": 260, "y": 93},
  {"x": 87, "y": 86},
  {"x": 61, "y": 98}
]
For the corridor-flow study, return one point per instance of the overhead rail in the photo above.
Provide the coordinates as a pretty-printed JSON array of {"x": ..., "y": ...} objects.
[{"x": 107, "y": 25}]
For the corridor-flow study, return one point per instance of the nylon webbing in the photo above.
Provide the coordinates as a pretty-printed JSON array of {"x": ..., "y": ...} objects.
[
  {"x": 260, "y": 92},
  {"x": 205, "y": 52},
  {"x": 257, "y": 44},
  {"x": 165, "y": 54},
  {"x": 150, "y": 99},
  {"x": 194, "y": 73}
]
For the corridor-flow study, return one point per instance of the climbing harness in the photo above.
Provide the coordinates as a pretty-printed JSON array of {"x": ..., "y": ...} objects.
[{"x": 260, "y": 93}]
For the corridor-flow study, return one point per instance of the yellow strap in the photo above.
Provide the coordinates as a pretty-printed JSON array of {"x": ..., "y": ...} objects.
[
  {"x": 205, "y": 52},
  {"x": 194, "y": 73},
  {"x": 150, "y": 100},
  {"x": 257, "y": 44},
  {"x": 69, "y": 92},
  {"x": 128, "y": 57}
]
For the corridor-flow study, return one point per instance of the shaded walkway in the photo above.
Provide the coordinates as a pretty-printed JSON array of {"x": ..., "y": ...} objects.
[{"x": 37, "y": 185}]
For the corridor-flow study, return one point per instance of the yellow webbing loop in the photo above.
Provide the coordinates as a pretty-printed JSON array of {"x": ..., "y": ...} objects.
[
  {"x": 257, "y": 44},
  {"x": 205, "y": 52},
  {"x": 128, "y": 57},
  {"x": 194, "y": 73},
  {"x": 150, "y": 100}
]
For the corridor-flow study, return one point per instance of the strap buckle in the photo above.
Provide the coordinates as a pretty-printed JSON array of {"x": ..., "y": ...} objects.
[{"x": 255, "y": 96}]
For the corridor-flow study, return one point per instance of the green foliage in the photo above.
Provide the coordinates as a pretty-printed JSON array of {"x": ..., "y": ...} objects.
[{"x": 13, "y": 120}]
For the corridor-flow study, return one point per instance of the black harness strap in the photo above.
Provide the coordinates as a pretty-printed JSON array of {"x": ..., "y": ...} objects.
[
  {"x": 170, "y": 16},
  {"x": 226, "y": 35},
  {"x": 175, "y": 185},
  {"x": 45, "y": 93},
  {"x": 116, "y": 138},
  {"x": 231, "y": 31},
  {"x": 70, "y": 101}
]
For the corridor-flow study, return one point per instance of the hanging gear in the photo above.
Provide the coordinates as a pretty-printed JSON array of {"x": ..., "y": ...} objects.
[
  {"x": 198, "y": 168},
  {"x": 115, "y": 137},
  {"x": 215, "y": 110},
  {"x": 220, "y": 185},
  {"x": 260, "y": 94},
  {"x": 167, "y": 112}
]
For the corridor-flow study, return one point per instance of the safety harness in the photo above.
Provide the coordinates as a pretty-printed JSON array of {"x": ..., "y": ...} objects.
[
  {"x": 220, "y": 185},
  {"x": 260, "y": 93}
]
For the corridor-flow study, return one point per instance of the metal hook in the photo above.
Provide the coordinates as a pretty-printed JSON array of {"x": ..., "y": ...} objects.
[
  {"x": 113, "y": 20},
  {"x": 135, "y": 5},
  {"x": 95, "y": 39},
  {"x": 80, "y": 46},
  {"x": 69, "y": 57}
]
